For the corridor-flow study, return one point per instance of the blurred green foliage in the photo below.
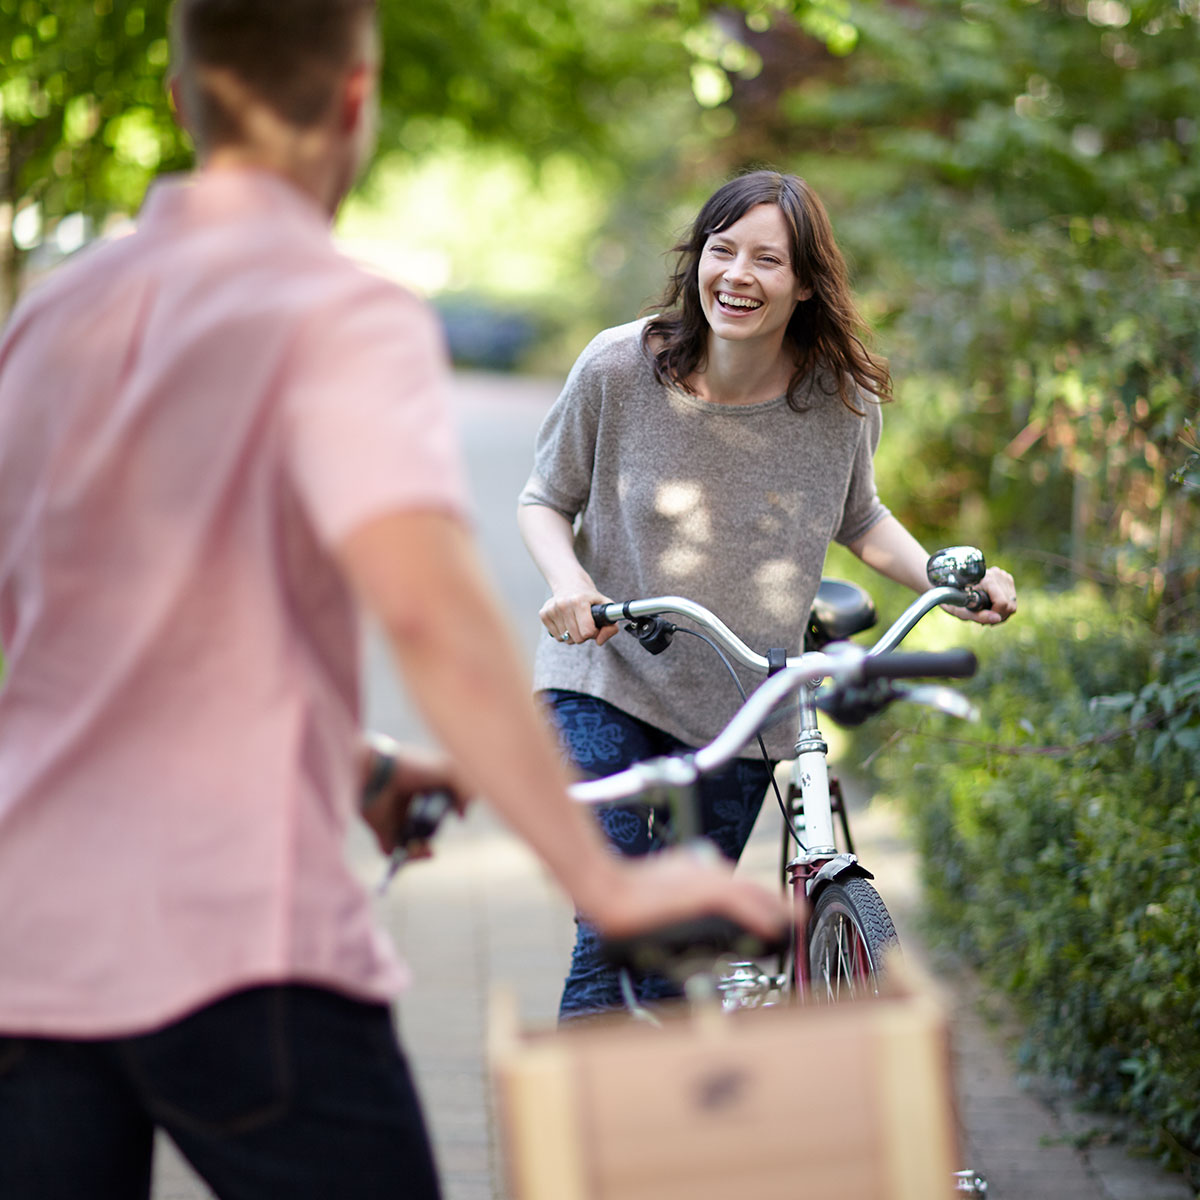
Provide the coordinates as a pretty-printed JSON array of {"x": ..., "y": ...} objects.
[
  {"x": 543, "y": 75},
  {"x": 1031, "y": 249},
  {"x": 85, "y": 124},
  {"x": 1061, "y": 847},
  {"x": 84, "y": 120}
]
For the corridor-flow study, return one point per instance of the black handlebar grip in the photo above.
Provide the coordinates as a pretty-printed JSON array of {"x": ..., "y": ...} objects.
[
  {"x": 914, "y": 664},
  {"x": 979, "y": 600},
  {"x": 600, "y": 616},
  {"x": 424, "y": 815}
]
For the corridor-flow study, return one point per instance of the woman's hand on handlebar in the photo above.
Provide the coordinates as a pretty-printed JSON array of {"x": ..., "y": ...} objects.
[
  {"x": 661, "y": 889},
  {"x": 1001, "y": 591},
  {"x": 570, "y": 614}
]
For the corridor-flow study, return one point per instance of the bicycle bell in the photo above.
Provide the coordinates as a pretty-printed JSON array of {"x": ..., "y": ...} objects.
[{"x": 956, "y": 567}]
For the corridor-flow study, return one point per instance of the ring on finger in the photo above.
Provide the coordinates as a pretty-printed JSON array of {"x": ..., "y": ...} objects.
[{"x": 565, "y": 636}]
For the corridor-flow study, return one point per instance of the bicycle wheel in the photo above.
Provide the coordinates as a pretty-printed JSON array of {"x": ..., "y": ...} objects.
[{"x": 849, "y": 933}]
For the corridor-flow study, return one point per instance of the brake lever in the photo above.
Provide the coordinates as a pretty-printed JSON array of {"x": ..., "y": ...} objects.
[
  {"x": 850, "y": 706},
  {"x": 943, "y": 699},
  {"x": 425, "y": 813}
]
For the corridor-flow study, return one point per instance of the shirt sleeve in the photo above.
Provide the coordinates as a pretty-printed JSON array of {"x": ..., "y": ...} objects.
[
  {"x": 565, "y": 451},
  {"x": 863, "y": 508},
  {"x": 369, "y": 429}
]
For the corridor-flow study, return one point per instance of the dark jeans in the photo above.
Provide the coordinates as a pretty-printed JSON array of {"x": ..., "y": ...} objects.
[
  {"x": 272, "y": 1092},
  {"x": 601, "y": 740}
]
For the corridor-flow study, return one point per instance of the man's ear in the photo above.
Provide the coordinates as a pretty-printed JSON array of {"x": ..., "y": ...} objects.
[
  {"x": 355, "y": 95},
  {"x": 175, "y": 102}
]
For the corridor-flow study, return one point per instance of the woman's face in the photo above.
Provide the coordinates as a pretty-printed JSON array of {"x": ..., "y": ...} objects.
[{"x": 748, "y": 285}]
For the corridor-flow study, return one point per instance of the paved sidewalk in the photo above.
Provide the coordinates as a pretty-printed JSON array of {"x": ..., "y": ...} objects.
[{"x": 482, "y": 913}]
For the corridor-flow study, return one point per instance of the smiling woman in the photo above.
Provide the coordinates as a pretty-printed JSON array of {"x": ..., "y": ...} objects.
[
  {"x": 713, "y": 451},
  {"x": 763, "y": 240}
]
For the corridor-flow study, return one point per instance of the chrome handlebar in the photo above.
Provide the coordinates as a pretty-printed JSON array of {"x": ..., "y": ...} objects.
[
  {"x": 842, "y": 662},
  {"x": 610, "y": 614}
]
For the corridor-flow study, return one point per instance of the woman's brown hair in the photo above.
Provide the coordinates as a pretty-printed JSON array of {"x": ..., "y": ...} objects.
[{"x": 825, "y": 331}]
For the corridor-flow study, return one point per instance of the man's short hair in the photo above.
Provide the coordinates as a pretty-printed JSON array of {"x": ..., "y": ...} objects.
[{"x": 290, "y": 54}]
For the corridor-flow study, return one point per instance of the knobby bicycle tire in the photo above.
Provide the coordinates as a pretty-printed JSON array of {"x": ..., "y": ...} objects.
[{"x": 849, "y": 935}]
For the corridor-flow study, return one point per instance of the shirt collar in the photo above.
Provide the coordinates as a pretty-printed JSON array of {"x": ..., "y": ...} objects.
[{"x": 227, "y": 194}]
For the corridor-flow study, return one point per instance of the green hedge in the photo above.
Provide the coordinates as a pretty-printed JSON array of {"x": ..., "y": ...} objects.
[{"x": 1061, "y": 846}]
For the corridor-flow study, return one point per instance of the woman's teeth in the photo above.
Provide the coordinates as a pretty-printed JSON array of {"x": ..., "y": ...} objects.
[{"x": 738, "y": 301}]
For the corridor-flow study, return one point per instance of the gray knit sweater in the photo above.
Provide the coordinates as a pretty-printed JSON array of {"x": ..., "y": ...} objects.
[{"x": 733, "y": 507}]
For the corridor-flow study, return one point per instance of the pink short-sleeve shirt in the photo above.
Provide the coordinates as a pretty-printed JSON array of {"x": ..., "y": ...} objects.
[{"x": 190, "y": 417}]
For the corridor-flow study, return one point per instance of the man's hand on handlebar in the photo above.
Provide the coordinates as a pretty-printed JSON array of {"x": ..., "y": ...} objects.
[
  {"x": 391, "y": 778},
  {"x": 664, "y": 888},
  {"x": 1000, "y": 589},
  {"x": 568, "y": 617}
]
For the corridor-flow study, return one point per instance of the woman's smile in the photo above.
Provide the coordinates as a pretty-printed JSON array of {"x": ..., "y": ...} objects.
[{"x": 746, "y": 303}]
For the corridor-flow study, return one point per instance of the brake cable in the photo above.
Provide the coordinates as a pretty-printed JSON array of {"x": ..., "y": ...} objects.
[{"x": 787, "y": 820}]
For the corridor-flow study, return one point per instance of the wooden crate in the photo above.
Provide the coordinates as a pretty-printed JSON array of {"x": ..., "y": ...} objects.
[{"x": 843, "y": 1102}]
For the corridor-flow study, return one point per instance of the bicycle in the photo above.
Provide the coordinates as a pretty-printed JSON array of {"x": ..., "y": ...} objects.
[
  {"x": 847, "y": 932},
  {"x": 861, "y": 681},
  {"x": 842, "y": 945}
]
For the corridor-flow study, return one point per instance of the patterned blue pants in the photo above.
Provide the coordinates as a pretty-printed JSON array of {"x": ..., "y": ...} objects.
[{"x": 601, "y": 740}]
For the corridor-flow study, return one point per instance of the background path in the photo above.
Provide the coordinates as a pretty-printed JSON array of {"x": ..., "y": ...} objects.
[{"x": 482, "y": 912}]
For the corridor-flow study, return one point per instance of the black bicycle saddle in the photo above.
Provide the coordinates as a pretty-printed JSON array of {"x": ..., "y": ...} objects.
[{"x": 839, "y": 611}]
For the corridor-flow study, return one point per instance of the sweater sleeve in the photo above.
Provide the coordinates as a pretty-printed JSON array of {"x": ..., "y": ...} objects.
[
  {"x": 565, "y": 451},
  {"x": 863, "y": 508}
]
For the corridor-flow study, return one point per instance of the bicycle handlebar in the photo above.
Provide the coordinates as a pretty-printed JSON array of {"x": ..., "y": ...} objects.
[
  {"x": 846, "y": 664},
  {"x": 972, "y": 598},
  {"x": 610, "y": 614},
  {"x": 913, "y": 664},
  {"x": 842, "y": 662},
  {"x": 600, "y": 615},
  {"x": 979, "y": 599},
  {"x": 633, "y": 610}
]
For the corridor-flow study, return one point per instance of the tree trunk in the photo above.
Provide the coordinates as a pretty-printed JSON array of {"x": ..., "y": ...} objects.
[
  {"x": 1081, "y": 517},
  {"x": 10, "y": 254},
  {"x": 1178, "y": 571}
]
